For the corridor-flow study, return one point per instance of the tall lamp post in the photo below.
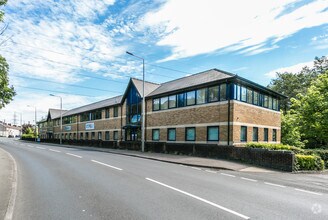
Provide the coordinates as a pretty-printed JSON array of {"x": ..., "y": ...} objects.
[
  {"x": 143, "y": 101},
  {"x": 34, "y": 121},
  {"x": 61, "y": 117}
]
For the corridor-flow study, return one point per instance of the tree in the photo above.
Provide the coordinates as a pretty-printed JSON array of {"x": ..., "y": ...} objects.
[
  {"x": 6, "y": 92},
  {"x": 290, "y": 129},
  {"x": 312, "y": 112}
]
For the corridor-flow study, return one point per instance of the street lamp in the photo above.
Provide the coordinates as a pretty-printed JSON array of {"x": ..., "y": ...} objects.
[
  {"x": 34, "y": 120},
  {"x": 61, "y": 117},
  {"x": 143, "y": 101}
]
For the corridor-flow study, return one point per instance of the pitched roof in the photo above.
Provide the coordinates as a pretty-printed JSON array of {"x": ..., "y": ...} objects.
[
  {"x": 55, "y": 113},
  {"x": 193, "y": 80},
  {"x": 149, "y": 86},
  {"x": 93, "y": 106}
]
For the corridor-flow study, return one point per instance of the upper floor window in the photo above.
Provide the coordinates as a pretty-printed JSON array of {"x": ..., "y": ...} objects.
[
  {"x": 191, "y": 98},
  {"x": 116, "y": 111},
  {"x": 201, "y": 96},
  {"x": 172, "y": 101},
  {"x": 223, "y": 92},
  {"x": 164, "y": 103},
  {"x": 155, "y": 104},
  {"x": 107, "y": 113},
  {"x": 213, "y": 94}
]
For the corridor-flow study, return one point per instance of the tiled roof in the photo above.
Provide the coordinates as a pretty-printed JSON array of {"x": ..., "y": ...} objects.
[
  {"x": 193, "y": 80},
  {"x": 55, "y": 113},
  {"x": 149, "y": 87},
  {"x": 93, "y": 106}
]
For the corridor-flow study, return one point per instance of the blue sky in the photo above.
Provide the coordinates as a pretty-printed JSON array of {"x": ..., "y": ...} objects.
[{"x": 76, "y": 48}]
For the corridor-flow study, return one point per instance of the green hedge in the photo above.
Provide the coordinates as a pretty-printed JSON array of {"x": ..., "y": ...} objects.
[
  {"x": 268, "y": 146},
  {"x": 309, "y": 162},
  {"x": 319, "y": 152},
  {"x": 28, "y": 136}
]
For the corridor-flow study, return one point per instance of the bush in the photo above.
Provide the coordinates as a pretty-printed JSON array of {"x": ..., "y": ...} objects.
[
  {"x": 28, "y": 136},
  {"x": 309, "y": 162},
  {"x": 319, "y": 152},
  {"x": 268, "y": 146}
]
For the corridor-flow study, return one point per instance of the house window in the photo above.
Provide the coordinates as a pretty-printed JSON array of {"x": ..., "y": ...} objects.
[
  {"x": 107, "y": 113},
  {"x": 223, "y": 92},
  {"x": 213, "y": 133},
  {"x": 155, "y": 104},
  {"x": 172, "y": 101},
  {"x": 99, "y": 135},
  {"x": 274, "y": 135},
  {"x": 81, "y": 136},
  {"x": 255, "y": 134},
  {"x": 266, "y": 134},
  {"x": 256, "y": 98},
  {"x": 270, "y": 102},
  {"x": 116, "y": 111},
  {"x": 249, "y": 96},
  {"x": 191, "y": 98},
  {"x": 243, "y": 133},
  {"x": 155, "y": 135},
  {"x": 93, "y": 135},
  {"x": 266, "y": 101},
  {"x": 275, "y": 104},
  {"x": 213, "y": 94},
  {"x": 87, "y": 136},
  {"x": 201, "y": 96},
  {"x": 181, "y": 100},
  {"x": 190, "y": 134},
  {"x": 171, "y": 134},
  {"x": 115, "y": 134},
  {"x": 243, "y": 94},
  {"x": 107, "y": 135},
  {"x": 164, "y": 103},
  {"x": 237, "y": 92}
]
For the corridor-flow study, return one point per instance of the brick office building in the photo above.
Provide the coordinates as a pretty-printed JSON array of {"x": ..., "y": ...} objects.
[{"x": 211, "y": 107}]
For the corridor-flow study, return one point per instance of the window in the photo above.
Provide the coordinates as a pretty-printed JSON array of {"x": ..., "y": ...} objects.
[
  {"x": 155, "y": 104},
  {"x": 270, "y": 102},
  {"x": 93, "y": 135},
  {"x": 99, "y": 135},
  {"x": 190, "y": 134},
  {"x": 115, "y": 135},
  {"x": 87, "y": 136},
  {"x": 164, "y": 103},
  {"x": 172, "y": 101},
  {"x": 266, "y": 134},
  {"x": 81, "y": 136},
  {"x": 274, "y": 135},
  {"x": 213, "y": 94},
  {"x": 266, "y": 101},
  {"x": 107, "y": 113},
  {"x": 256, "y": 98},
  {"x": 237, "y": 92},
  {"x": 107, "y": 135},
  {"x": 116, "y": 111},
  {"x": 243, "y": 94},
  {"x": 243, "y": 133},
  {"x": 255, "y": 134},
  {"x": 171, "y": 134},
  {"x": 201, "y": 96},
  {"x": 249, "y": 96},
  {"x": 213, "y": 133},
  {"x": 74, "y": 136},
  {"x": 191, "y": 98},
  {"x": 223, "y": 92},
  {"x": 155, "y": 135},
  {"x": 181, "y": 100},
  {"x": 275, "y": 104}
]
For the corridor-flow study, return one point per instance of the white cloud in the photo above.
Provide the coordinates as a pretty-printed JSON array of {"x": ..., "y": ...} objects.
[
  {"x": 320, "y": 42},
  {"x": 292, "y": 69},
  {"x": 204, "y": 26}
]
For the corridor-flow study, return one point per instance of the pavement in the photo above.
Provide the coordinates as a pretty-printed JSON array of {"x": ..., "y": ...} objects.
[
  {"x": 6, "y": 169},
  {"x": 180, "y": 159}
]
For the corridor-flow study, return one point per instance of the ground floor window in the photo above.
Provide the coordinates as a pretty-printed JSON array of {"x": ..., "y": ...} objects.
[
  {"x": 243, "y": 134},
  {"x": 213, "y": 133},
  {"x": 99, "y": 135},
  {"x": 86, "y": 136},
  {"x": 274, "y": 135},
  {"x": 93, "y": 135},
  {"x": 266, "y": 134},
  {"x": 190, "y": 134},
  {"x": 81, "y": 136},
  {"x": 155, "y": 133},
  {"x": 115, "y": 135},
  {"x": 107, "y": 135},
  {"x": 171, "y": 134},
  {"x": 255, "y": 134}
]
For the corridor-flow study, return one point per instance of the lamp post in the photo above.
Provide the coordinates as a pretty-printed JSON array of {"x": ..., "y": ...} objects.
[
  {"x": 34, "y": 120},
  {"x": 143, "y": 101},
  {"x": 61, "y": 117}
]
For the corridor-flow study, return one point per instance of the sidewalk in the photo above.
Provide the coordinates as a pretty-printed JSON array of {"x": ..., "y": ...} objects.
[
  {"x": 180, "y": 159},
  {"x": 6, "y": 169}
]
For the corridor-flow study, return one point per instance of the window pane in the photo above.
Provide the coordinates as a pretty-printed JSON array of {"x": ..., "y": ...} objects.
[
  {"x": 99, "y": 135},
  {"x": 213, "y": 94},
  {"x": 155, "y": 104},
  {"x": 274, "y": 104},
  {"x": 249, "y": 96},
  {"x": 107, "y": 135},
  {"x": 256, "y": 98},
  {"x": 213, "y": 133},
  {"x": 274, "y": 135},
  {"x": 255, "y": 134},
  {"x": 181, "y": 100},
  {"x": 164, "y": 103},
  {"x": 155, "y": 134},
  {"x": 270, "y": 102},
  {"x": 81, "y": 136},
  {"x": 201, "y": 96},
  {"x": 93, "y": 135},
  {"x": 115, "y": 135},
  {"x": 243, "y": 94},
  {"x": 190, "y": 134},
  {"x": 266, "y": 134},
  {"x": 243, "y": 134},
  {"x": 172, "y": 101},
  {"x": 223, "y": 92},
  {"x": 116, "y": 111},
  {"x": 191, "y": 98},
  {"x": 171, "y": 134},
  {"x": 107, "y": 113},
  {"x": 266, "y": 101},
  {"x": 237, "y": 92}
]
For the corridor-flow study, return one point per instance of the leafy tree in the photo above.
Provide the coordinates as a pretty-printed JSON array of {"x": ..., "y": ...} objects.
[
  {"x": 27, "y": 129},
  {"x": 6, "y": 92},
  {"x": 312, "y": 112},
  {"x": 290, "y": 130}
]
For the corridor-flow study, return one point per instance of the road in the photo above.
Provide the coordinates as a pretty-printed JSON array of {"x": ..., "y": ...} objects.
[{"x": 67, "y": 183}]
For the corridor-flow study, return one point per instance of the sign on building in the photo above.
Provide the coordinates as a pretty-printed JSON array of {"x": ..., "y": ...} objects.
[{"x": 89, "y": 126}]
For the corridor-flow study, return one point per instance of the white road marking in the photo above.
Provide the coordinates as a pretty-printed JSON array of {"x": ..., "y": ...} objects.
[
  {"x": 42, "y": 148},
  {"x": 225, "y": 174},
  {"x": 54, "y": 150},
  {"x": 252, "y": 180},
  {"x": 273, "y": 184},
  {"x": 74, "y": 155},
  {"x": 200, "y": 199},
  {"x": 30, "y": 146},
  {"x": 182, "y": 165},
  {"x": 210, "y": 171},
  {"x": 107, "y": 165},
  {"x": 196, "y": 168},
  {"x": 306, "y": 191}
]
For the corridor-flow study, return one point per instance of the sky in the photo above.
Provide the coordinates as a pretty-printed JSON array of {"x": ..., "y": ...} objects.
[{"x": 76, "y": 49}]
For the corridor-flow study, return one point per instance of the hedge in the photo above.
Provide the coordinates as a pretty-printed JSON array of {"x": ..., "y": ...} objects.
[
  {"x": 319, "y": 152},
  {"x": 268, "y": 146},
  {"x": 309, "y": 162},
  {"x": 28, "y": 136}
]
